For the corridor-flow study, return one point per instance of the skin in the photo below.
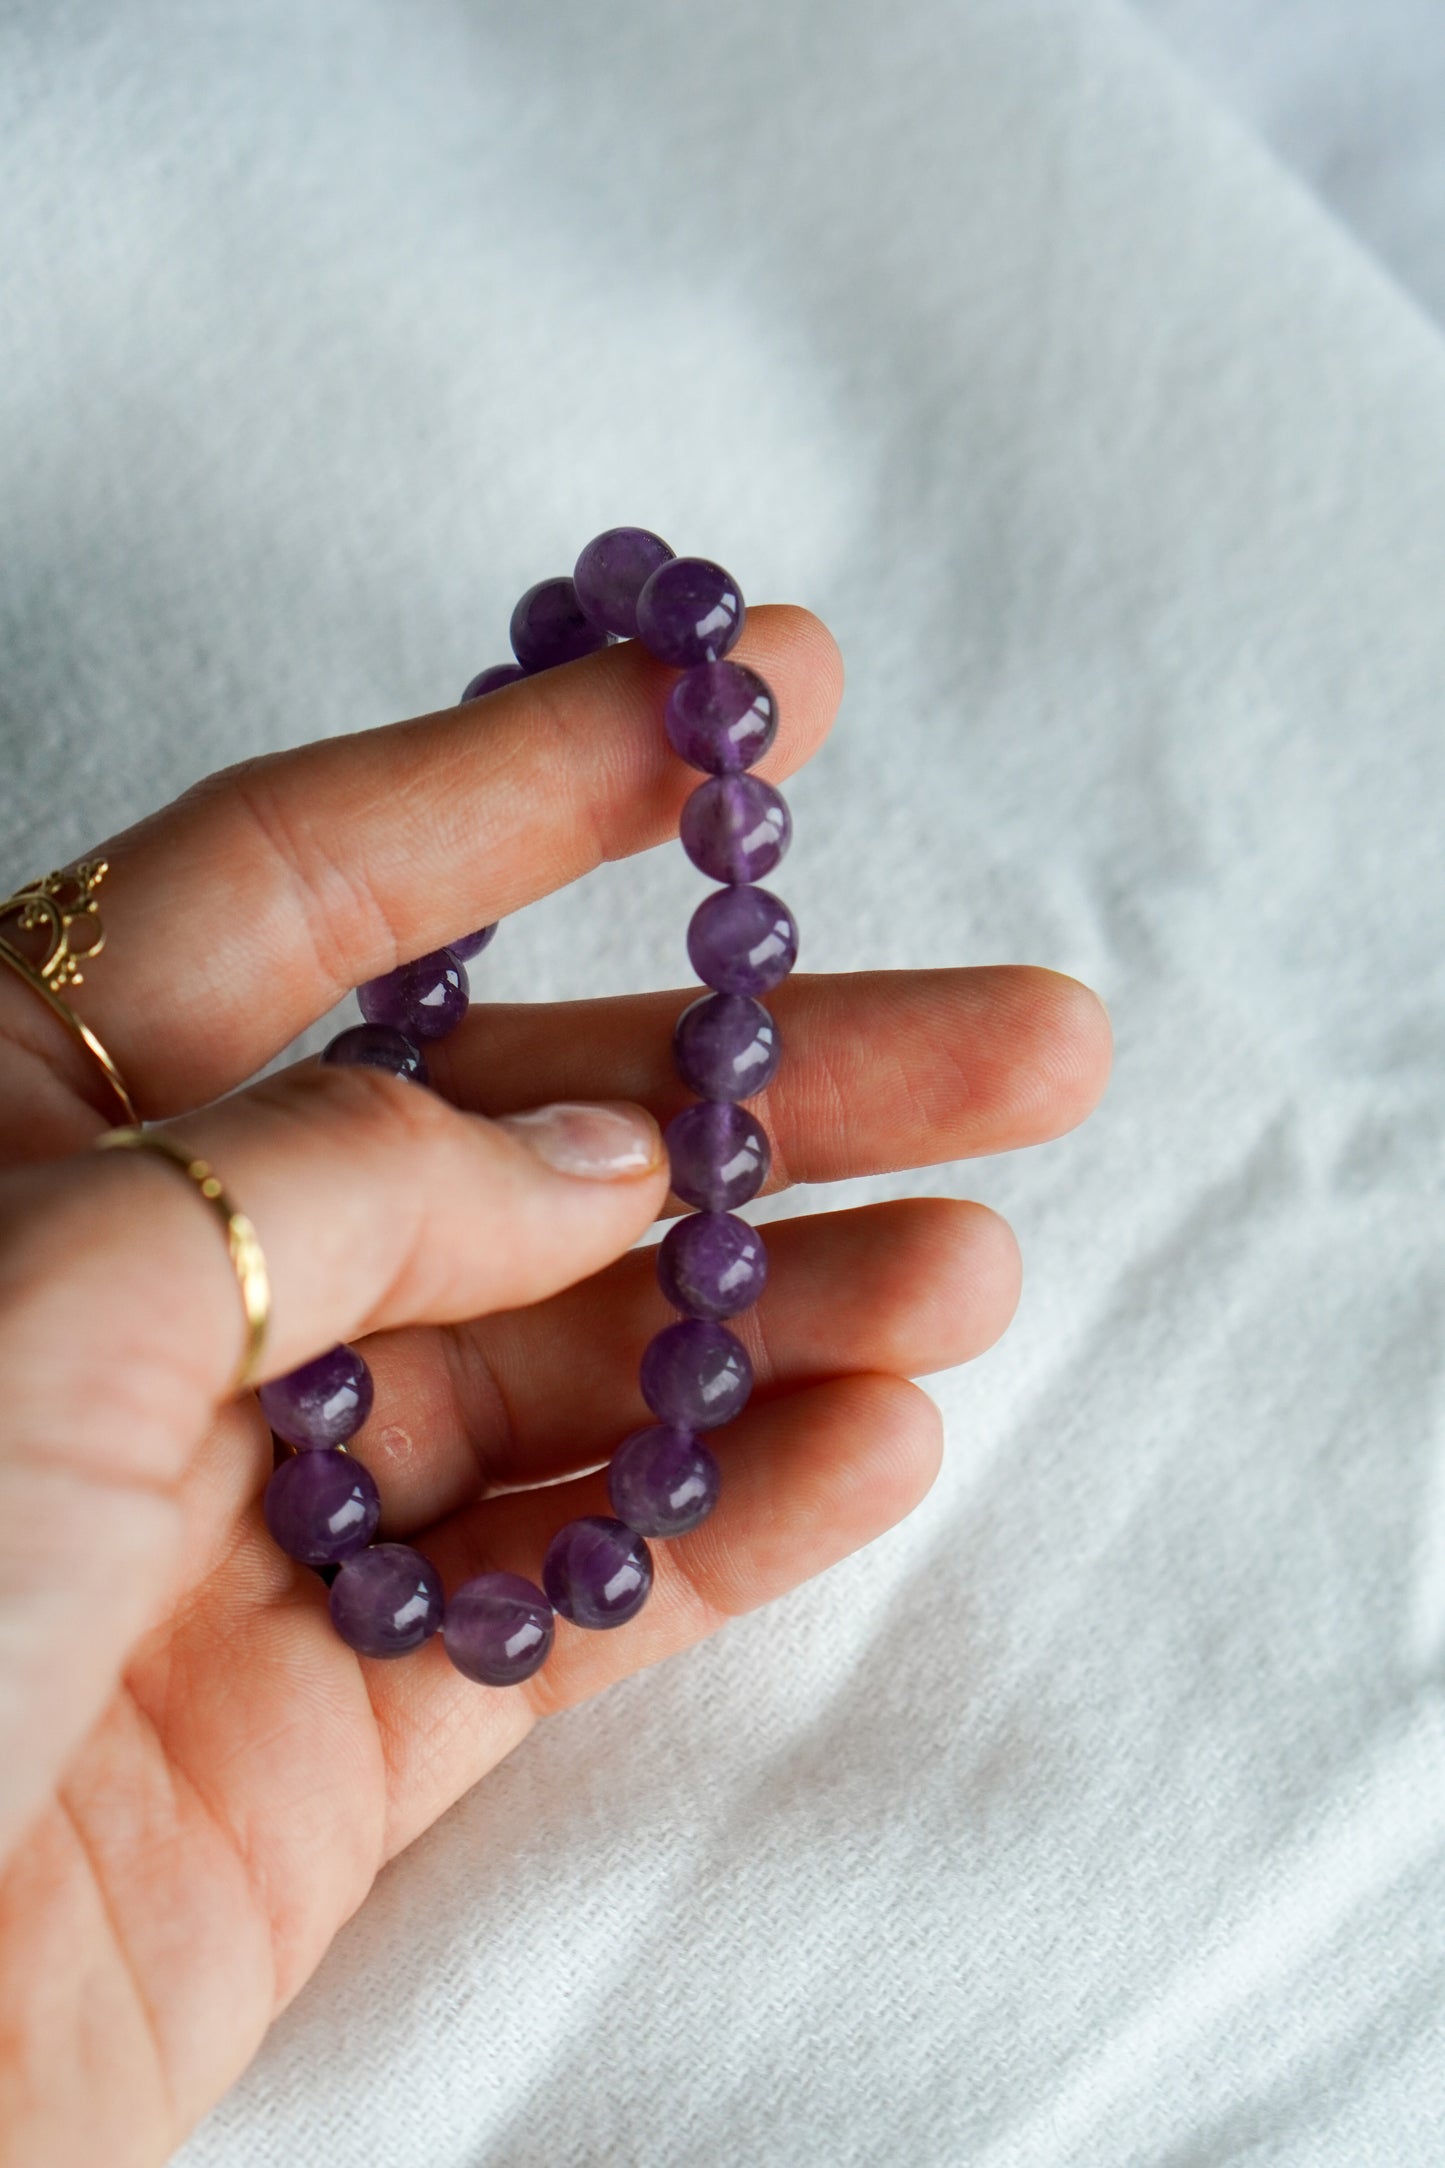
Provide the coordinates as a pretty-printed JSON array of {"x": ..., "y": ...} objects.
[{"x": 198, "y": 1780}]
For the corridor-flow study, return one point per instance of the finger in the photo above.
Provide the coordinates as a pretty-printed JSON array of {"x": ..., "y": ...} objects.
[
  {"x": 881, "y": 1069},
  {"x": 965, "y": 1062},
  {"x": 241, "y": 913},
  {"x": 805, "y": 1481},
  {"x": 376, "y": 1204},
  {"x": 531, "y": 1396}
]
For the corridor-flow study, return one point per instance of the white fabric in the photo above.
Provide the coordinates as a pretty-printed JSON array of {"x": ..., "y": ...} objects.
[
  {"x": 1351, "y": 95},
  {"x": 1095, "y": 1817}
]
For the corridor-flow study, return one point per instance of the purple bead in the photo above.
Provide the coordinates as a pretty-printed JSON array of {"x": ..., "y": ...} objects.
[
  {"x": 550, "y": 626},
  {"x": 726, "y": 1046},
  {"x": 321, "y": 1507},
  {"x": 721, "y": 717},
  {"x": 742, "y": 940},
  {"x": 471, "y": 944},
  {"x": 735, "y": 827},
  {"x": 386, "y": 1600},
  {"x": 690, "y": 611},
  {"x": 499, "y": 1629},
  {"x": 720, "y": 1155},
  {"x": 323, "y": 1403},
  {"x": 492, "y": 680},
  {"x": 376, "y": 1046},
  {"x": 611, "y": 573},
  {"x": 695, "y": 1375},
  {"x": 425, "y": 999},
  {"x": 662, "y": 1481},
  {"x": 597, "y": 1571},
  {"x": 712, "y": 1265}
]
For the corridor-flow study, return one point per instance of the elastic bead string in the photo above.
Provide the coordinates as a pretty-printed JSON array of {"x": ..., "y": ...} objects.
[{"x": 321, "y": 1505}]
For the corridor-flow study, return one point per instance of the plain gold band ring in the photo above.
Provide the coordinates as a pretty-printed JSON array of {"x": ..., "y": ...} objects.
[{"x": 247, "y": 1261}]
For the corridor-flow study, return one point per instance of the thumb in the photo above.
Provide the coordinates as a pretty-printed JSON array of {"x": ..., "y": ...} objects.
[{"x": 376, "y": 1204}]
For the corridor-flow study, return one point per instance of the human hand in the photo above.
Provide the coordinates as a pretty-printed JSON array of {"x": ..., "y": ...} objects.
[{"x": 198, "y": 1779}]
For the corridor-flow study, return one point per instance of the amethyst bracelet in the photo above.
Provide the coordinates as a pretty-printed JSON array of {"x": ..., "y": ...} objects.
[{"x": 321, "y": 1505}]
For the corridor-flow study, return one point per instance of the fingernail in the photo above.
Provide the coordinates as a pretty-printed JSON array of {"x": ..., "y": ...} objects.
[{"x": 599, "y": 1143}]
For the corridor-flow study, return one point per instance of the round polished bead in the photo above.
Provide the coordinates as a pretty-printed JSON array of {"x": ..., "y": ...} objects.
[
  {"x": 499, "y": 1629},
  {"x": 735, "y": 827},
  {"x": 719, "y": 1155},
  {"x": 742, "y": 940},
  {"x": 320, "y": 1507},
  {"x": 695, "y": 1374},
  {"x": 721, "y": 717},
  {"x": 386, "y": 1600},
  {"x": 491, "y": 680},
  {"x": 376, "y": 1046},
  {"x": 712, "y": 1265},
  {"x": 611, "y": 573},
  {"x": 471, "y": 945},
  {"x": 663, "y": 1481},
  {"x": 690, "y": 611},
  {"x": 726, "y": 1046},
  {"x": 321, "y": 1404},
  {"x": 425, "y": 999},
  {"x": 597, "y": 1571},
  {"x": 550, "y": 626}
]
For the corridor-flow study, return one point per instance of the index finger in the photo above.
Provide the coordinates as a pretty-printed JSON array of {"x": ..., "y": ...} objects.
[{"x": 242, "y": 912}]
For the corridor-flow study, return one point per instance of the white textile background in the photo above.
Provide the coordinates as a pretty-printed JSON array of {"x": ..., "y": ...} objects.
[
  {"x": 1352, "y": 94},
  {"x": 1095, "y": 1817}
]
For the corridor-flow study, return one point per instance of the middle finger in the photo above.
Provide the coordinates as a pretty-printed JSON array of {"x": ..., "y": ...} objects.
[{"x": 881, "y": 1069}]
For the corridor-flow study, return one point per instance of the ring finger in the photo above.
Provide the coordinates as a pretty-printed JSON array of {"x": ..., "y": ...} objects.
[{"x": 530, "y": 1396}]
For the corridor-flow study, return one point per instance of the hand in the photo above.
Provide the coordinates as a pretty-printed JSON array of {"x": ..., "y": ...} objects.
[{"x": 198, "y": 1779}]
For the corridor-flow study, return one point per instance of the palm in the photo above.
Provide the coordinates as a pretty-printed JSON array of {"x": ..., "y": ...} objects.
[{"x": 249, "y": 1775}]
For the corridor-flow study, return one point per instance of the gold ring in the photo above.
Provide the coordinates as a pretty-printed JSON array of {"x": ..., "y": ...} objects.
[
  {"x": 246, "y": 1258},
  {"x": 63, "y": 908}
]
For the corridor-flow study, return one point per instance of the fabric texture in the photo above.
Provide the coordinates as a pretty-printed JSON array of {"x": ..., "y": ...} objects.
[
  {"x": 1095, "y": 1817},
  {"x": 1350, "y": 97}
]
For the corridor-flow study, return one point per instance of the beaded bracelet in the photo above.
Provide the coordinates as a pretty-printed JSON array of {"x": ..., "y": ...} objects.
[{"x": 321, "y": 1505}]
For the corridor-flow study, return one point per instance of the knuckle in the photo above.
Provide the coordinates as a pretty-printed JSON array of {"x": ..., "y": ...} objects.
[
  {"x": 552, "y": 718},
  {"x": 373, "y": 1107},
  {"x": 340, "y": 914}
]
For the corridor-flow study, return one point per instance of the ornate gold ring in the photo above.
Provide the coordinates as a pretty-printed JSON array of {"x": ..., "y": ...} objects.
[{"x": 62, "y": 909}]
